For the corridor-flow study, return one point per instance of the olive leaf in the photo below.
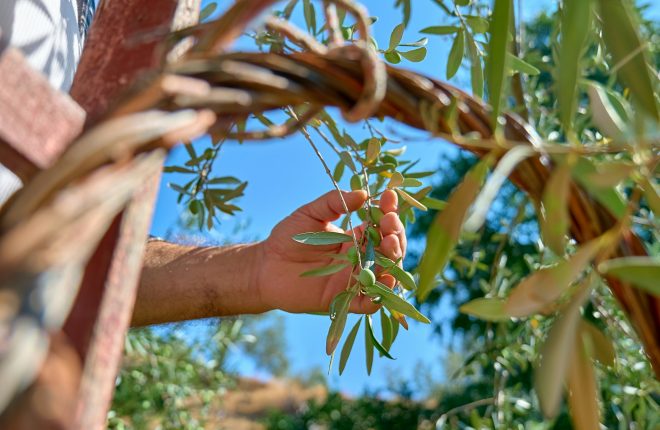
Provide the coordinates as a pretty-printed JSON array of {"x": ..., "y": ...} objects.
[
  {"x": 322, "y": 238},
  {"x": 554, "y": 221},
  {"x": 338, "y": 314},
  {"x": 544, "y": 286},
  {"x": 368, "y": 346},
  {"x": 555, "y": 356},
  {"x": 374, "y": 341},
  {"x": 393, "y": 302},
  {"x": 440, "y": 29},
  {"x": 410, "y": 199},
  {"x": 597, "y": 344},
  {"x": 581, "y": 384},
  {"x": 496, "y": 62},
  {"x": 629, "y": 52},
  {"x": 488, "y": 309},
  {"x": 348, "y": 346},
  {"x": 456, "y": 54},
  {"x": 325, "y": 270},
  {"x": 445, "y": 230},
  {"x": 386, "y": 330},
  {"x": 575, "y": 28},
  {"x": 642, "y": 272}
]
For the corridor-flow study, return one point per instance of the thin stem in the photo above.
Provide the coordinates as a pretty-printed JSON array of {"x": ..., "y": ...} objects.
[
  {"x": 468, "y": 407},
  {"x": 305, "y": 133}
]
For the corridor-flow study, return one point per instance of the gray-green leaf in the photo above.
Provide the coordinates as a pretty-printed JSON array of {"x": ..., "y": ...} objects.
[
  {"x": 348, "y": 346},
  {"x": 322, "y": 238},
  {"x": 456, "y": 54},
  {"x": 392, "y": 301},
  {"x": 325, "y": 270}
]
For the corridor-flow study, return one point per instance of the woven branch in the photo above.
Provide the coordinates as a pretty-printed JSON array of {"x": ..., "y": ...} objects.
[{"x": 206, "y": 91}]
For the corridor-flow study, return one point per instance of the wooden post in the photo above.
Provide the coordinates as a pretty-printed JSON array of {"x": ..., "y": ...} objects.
[{"x": 112, "y": 60}]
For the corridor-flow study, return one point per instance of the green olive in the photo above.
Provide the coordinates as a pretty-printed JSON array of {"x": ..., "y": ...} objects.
[{"x": 367, "y": 277}]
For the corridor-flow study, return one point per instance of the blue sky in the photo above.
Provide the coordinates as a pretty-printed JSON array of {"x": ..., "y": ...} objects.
[{"x": 284, "y": 174}]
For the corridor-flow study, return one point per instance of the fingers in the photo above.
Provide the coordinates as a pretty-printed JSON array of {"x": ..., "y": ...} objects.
[
  {"x": 363, "y": 304},
  {"x": 390, "y": 246},
  {"x": 394, "y": 242},
  {"x": 388, "y": 201},
  {"x": 329, "y": 206}
]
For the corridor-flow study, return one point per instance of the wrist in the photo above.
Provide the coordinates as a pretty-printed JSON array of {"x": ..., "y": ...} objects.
[{"x": 255, "y": 285}]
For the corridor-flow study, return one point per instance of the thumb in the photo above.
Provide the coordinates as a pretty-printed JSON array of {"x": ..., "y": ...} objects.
[{"x": 329, "y": 206}]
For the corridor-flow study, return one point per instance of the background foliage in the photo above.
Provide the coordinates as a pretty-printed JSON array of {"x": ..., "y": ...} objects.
[{"x": 491, "y": 384}]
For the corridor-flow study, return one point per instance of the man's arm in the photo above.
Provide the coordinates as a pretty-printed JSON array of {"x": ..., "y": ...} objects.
[{"x": 188, "y": 282}]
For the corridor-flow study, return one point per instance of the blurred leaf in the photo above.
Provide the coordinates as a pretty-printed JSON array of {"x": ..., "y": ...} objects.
[
  {"x": 373, "y": 150},
  {"x": 651, "y": 194},
  {"x": 410, "y": 199},
  {"x": 440, "y": 29},
  {"x": 477, "y": 23},
  {"x": 357, "y": 182},
  {"x": 488, "y": 309},
  {"x": 348, "y": 346},
  {"x": 476, "y": 71},
  {"x": 207, "y": 11},
  {"x": 180, "y": 189},
  {"x": 190, "y": 149},
  {"x": 582, "y": 388},
  {"x": 324, "y": 271},
  {"x": 310, "y": 16},
  {"x": 433, "y": 203},
  {"x": 546, "y": 285},
  {"x": 597, "y": 344},
  {"x": 642, "y": 272},
  {"x": 177, "y": 169},
  {"x": 338, "y": 315},
  {"x": 392, "y": 301},
  {"x": 322, "y": 238},
  {"x": 576, "y": 19},
  {"x": 347, "y": 159},
  {"x": 445, "y": 230},
  {"x": 376, "y": 214},
  {"x": 504, "y": 168},
  {"x": 521, "y": 66},
  {"x": 224, "y": 180},
  {"x": 620, "y": 32},
  {"x": 554, "y": 221},
  {"x": 611, "y": 173},
  {"x": 395, "y": 36},
  {"x": 374, "y": 341},
  {"x": 456, "y": 54},
  {"x": 462, "y": 2},
  {"x": 338, "y": 172},
  {"x": 421, "y": 42},
  {"x": 556, "y": 353},
  {"x": 411, "y": 182},
  {"x": 405, "y": 8},
  {"x": 393, "y": 57},
  {"x": 415, "y": 55},
  {"x": 497, "y": 53},
  {"x": 608, "y": 197},
  {"x": 395, "y": 180},
  {"x": 603, "y": 113}
]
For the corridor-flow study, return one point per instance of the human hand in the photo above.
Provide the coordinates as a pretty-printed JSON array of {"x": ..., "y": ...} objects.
[{"x": 281, "y": 260}]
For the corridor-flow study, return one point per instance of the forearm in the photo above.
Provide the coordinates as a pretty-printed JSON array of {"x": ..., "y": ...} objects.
[{"x": 188, "y": 282}]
